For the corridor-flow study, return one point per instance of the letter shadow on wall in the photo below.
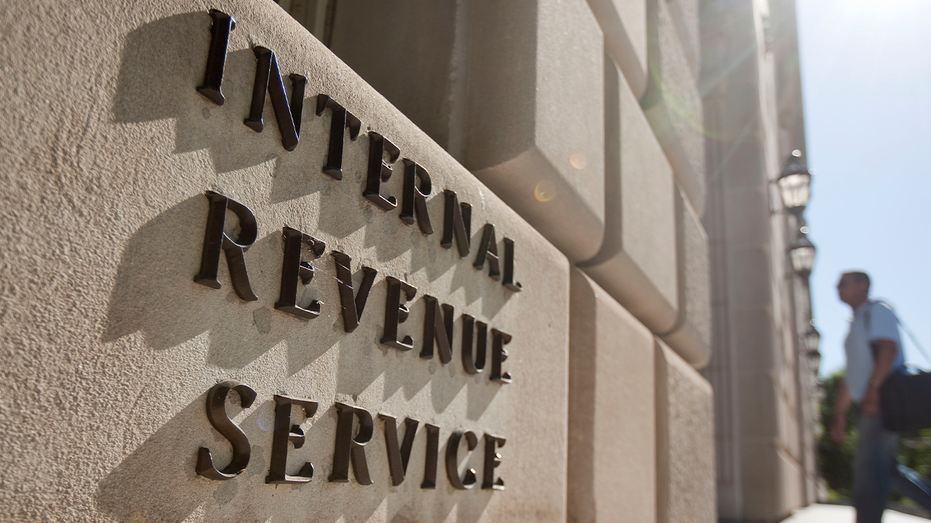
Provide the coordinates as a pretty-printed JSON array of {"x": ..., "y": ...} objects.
[
  {"x": 162, "y": 65},
  {"x": 155, "y": 294},
  {"x": 158, "y": 483},
  {"x": 159, "y": 73}
]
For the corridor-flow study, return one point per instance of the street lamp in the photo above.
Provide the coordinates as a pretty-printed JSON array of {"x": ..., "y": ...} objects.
[
  {"x": 812, "y": 339},
  {"x": 815, "y": 359},
  {"x": 802, "y": 255},
  {"x": 795, "y": 183}
]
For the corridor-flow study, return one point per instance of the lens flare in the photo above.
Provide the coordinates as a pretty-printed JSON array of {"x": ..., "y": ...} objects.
[
  {"x": 544, "y": 191},
  {"x": 578, "y": 160}
]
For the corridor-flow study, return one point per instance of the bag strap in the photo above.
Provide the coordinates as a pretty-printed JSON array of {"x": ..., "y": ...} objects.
[{"x": 908, "y": 332}]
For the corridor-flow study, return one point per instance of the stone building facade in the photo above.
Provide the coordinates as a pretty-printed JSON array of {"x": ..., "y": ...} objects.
[{"x": 401, "y": 261}]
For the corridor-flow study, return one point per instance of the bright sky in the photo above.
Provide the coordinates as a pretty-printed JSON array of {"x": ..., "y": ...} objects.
[{"x": 866, "y": 75}]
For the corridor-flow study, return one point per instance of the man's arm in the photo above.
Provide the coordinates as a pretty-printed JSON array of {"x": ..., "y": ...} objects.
[
  {"x": 841, "y": 406},
  {"x": 884, "y": 352}
]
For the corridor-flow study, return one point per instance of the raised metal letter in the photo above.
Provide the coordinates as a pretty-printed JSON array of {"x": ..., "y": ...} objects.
[
  {"x": 498, "y": 355},
  {"x": 268, "y": 79},
  {"x": 352, "y": 306},
  {"x": 433, "y": 449},
  {"x": 292, "y": 269},
  {"x": 398, "y": 456},
  {"x": 341, "y": 120},
  {"x": 379, "y": 171},
  {"x": 509, "y": 266},
  {"x": 216, "y": 57},
  {"x": 349, "y": 447},
  {"x": 396, "y": 313},
  {"x": 285, "y": 432},
  {"x": 492, "y": 460},
  {"x": 216, "y": 413},
  {"x": 414, "y": 199},
  {"x": 473, "y": 364},
  {"x": 215, "y": 239},
  {"x": 467, "y": 481},
  {"x": 458, "y": 221},
  {"x": 439, "y": 328},
  {"x": 488, "y": 249}
]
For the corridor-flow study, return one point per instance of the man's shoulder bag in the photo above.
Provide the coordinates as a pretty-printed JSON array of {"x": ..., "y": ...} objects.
[
  {"x": 905, "y": 401},
  {"x": 905, "y": 396}
]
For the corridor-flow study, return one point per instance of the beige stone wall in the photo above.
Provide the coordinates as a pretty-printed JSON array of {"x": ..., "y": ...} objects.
[
  {"x": 578, "y": 129},
  {"x": 110, "y": 346}
]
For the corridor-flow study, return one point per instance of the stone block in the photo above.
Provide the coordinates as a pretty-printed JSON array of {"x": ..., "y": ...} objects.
[
  {"x": 673, "y": 104},
  {"x": 611, "y": 409},
  {"x": 624, "y": 23},
  {"x": 535, "y": 124},
  {"x": 685, "y": 464},
  {"x": 637, "y": 261},
  {"x": 114, "y": 331},
  {"x": 691, "y": 337}
]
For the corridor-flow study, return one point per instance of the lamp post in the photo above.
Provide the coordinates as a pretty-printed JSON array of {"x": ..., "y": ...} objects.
[
  {"x": 794, "y": 183},
  {"x": 812, "y": 339},
  {"x": 802, "y": 255}
]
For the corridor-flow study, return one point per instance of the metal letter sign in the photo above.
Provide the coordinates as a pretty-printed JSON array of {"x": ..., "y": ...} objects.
[
  {"x": 216, "y": 57},
  {"x": 216, "y": 413},
  {"x": 355, "y": 425},
  {"x": 286, "y": 432},
  {"x": 215, "y": 240},
  {"x": 268, "y": 79},
  {"x": 341, "y": 120},
  {"x": 349, "y": 448},
  {"x": 292, "y": 269}
]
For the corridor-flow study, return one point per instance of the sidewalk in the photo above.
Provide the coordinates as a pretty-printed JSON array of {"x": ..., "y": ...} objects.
[{"x": 843, "y": 514}]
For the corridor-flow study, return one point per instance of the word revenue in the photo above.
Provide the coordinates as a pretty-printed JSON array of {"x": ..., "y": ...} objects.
[
  {"x": 438, "y": 321},
  {"x": 354, "y": 429}
]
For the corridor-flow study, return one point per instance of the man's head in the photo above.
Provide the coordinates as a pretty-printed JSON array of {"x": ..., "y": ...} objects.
[{"x": 853, "y": 288}]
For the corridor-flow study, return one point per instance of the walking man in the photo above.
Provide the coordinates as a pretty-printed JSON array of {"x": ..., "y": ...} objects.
[{"x": 873, "y": 349}]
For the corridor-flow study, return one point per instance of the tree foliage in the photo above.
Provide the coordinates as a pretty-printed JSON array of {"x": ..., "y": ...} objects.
[{"x": 835, "y": 460}]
